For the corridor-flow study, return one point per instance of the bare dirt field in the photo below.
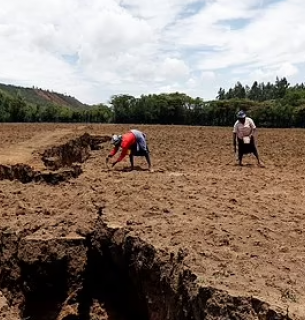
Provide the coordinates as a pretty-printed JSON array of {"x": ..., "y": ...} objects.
[{"x": 241, "y": 229}]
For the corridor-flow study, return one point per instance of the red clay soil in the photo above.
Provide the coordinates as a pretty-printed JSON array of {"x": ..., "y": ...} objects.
[{"x": 242, "y": 227}]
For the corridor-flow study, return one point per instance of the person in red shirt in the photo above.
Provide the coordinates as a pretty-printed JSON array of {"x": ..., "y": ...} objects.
[{"x": 132, "y": 143}]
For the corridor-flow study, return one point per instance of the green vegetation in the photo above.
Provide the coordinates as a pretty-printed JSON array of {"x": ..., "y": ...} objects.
[
  {"x": 271, "y": 105},
  {"x": 41, "y": 97},
  {"x": 19, "y": 104}
]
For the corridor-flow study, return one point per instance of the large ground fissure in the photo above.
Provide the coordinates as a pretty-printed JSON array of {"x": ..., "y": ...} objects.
[
  {"x": 61, "y": 162},
  {"x": 108, "y": 274}
]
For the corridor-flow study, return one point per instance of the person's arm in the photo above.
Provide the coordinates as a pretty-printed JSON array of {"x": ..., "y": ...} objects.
[
  {"x": 113, "y": 152},
  {"x": 234, "y": 136},
  {"x": 253, "y": 128},
  {"x": 125, "y": 146},
  {"x": 122, "y": 156}
]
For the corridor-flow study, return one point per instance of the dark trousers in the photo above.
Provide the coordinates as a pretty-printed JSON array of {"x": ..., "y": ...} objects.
[
  {"x": 139, "y": 153},
  {"x": 246, "y": 148}
]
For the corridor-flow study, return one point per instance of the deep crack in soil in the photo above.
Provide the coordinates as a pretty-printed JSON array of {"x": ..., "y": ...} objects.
[
  {"x": 61, "y": 162},
  {"x": 108, "y": 274},
  {"x": 238, "y": 244}
]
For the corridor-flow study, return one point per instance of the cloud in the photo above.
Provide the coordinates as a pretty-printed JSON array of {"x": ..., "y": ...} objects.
[
  {"x": 267, "y": 74},
  {"x": 174, "y": 69},
  {"x": 94, "y": 49},
  {"x": 208, "y": 75}
]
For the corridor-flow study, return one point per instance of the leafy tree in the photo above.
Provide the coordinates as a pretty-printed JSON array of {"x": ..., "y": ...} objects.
[
  {"x": 275, "y": 104},
  {"x": 221, "y": 94}
]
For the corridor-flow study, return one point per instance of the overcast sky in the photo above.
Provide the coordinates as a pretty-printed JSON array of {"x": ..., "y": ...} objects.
[{"x": 92, "y": 49}]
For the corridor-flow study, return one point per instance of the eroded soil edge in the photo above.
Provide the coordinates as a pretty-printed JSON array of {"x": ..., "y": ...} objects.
[
  {"x": 108, "y": 274},
  {"x": 61, "y": 162}
]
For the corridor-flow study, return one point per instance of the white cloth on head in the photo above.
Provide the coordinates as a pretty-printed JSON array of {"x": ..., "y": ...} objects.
[{"x": 116, "y": 138}]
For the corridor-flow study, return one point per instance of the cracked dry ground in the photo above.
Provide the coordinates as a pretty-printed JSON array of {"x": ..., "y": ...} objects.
[{"x": 241, "y": 230}]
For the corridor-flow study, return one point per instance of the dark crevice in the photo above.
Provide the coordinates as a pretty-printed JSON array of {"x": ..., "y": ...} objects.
[
  {"x": 112, "y": 275},
  {"x": 61, "y": 162},
  {"x": 45, "y": 288},
  {"x": 76, "y": 150},
  {"x": 108, "y": 285}
]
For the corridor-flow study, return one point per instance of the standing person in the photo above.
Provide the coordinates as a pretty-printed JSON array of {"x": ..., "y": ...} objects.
[
  {"x": 244, "y": 133},
  {"x": 132, "y": 143}
]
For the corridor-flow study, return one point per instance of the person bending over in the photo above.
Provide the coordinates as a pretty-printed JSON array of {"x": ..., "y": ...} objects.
[{"x": 132, "y": 143}]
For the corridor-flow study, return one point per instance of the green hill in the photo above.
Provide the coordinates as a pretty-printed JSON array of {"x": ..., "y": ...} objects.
[
  {"x": 36, "y": 96},
  {"x": 18, "y": 104}
]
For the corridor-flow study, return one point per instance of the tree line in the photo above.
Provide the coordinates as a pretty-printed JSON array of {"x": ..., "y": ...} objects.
[
  {"x": 275, "y": 104},
  {"x": 16, "y": 109}
]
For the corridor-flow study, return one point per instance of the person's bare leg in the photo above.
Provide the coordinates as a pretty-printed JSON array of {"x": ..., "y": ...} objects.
[
  {"x": 240, "y": 158},
  {"x": 255, "y": 152},
  {"x": 131, "y": 162},
  {"x": 147, "y": 157}
]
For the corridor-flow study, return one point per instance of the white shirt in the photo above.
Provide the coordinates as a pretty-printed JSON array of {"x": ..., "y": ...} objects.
[{"x": 244, "y": 129}]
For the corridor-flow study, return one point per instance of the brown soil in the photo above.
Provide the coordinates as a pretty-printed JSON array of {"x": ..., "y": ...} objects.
[
  {"x": 28, "y": 160},
  {"x": 239, "y": 230}
]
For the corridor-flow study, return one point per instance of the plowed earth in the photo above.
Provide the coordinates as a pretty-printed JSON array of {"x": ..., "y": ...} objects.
[{"x": 242, "y": 228}]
